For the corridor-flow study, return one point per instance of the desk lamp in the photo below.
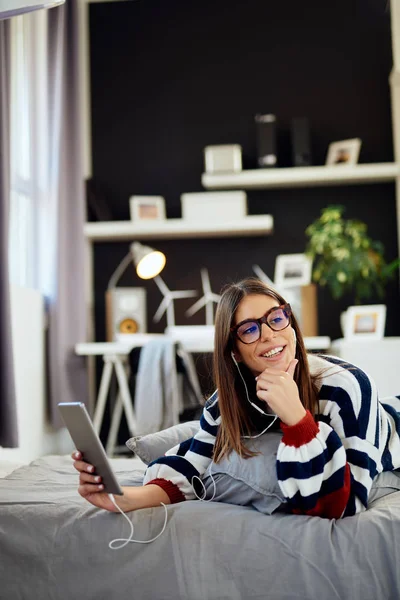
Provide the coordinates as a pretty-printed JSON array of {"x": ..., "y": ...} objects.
[{"x": 126, "y": 306}]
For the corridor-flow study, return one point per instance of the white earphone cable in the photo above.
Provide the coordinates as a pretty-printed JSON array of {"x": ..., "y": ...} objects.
[
  {"x": 204, "y": 489},
  {"x": 119, "y": 543},
  {"x": 252, "y": 404}
]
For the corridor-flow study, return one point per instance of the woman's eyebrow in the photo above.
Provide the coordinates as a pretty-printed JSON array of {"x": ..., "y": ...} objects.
[{"x": 257, "y": 318}]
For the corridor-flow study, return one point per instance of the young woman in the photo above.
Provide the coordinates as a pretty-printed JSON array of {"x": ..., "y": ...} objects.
[{"x": 337, "y": 435}]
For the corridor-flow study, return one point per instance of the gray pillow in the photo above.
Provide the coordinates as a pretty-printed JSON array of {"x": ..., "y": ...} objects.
[
  {"x": 253, "y": 481},
  {"x": 153, "y": 445},
  {"x": 385, "y": 483},
  {"x": 247, "y": 482}
]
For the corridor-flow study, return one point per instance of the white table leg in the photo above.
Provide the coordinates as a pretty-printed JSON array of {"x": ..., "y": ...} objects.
[
  {"x": 125, "y": 394},
  {"x": 114, "y": 428},
  {"x": 103, "y": 393}
]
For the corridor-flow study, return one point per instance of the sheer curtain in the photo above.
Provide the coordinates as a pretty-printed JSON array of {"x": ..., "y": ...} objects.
[
  {"x": 47, "y": 185},
  {"x": 34, "y": 157},
  {"x": 8, "y": 409}
]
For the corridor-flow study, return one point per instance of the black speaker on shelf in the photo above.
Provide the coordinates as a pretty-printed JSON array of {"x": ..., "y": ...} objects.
[
  {"x": 301, "y": 144},
  {"x": 266, "y": 140}
]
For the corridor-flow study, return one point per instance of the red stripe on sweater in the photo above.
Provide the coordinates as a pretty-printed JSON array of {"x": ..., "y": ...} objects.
[
  {"x": 332, "y": 505},
  {"x": 174, "y": 493},
  {"x": 301, "y": 433}
]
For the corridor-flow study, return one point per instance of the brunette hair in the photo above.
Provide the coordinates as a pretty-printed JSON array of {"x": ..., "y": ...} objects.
[{"x": 232, "y": 403}]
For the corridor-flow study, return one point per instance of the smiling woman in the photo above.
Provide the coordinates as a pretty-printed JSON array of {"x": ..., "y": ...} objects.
[
  {"x": 278, "y": 353},
  {"x": 336, "y": 436}
]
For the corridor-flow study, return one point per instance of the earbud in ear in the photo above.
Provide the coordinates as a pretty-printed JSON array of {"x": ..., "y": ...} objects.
[
  {"x": 235, "y": 360},
  {"x": 294, "y": 336}
]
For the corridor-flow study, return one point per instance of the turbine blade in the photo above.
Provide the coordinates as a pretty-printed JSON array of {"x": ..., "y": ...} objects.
[
  {"x": 183, "y": 294},
  {"x": 196, "y": 307},
  {"x": 205, "y": 279},
  {"x": 261, "y": 275},
  {"x": 215, "y": 297},
  {"x": 161, "y": 309}
]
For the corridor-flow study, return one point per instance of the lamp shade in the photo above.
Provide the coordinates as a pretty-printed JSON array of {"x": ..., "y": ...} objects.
[{"x": 148, "y": 262}]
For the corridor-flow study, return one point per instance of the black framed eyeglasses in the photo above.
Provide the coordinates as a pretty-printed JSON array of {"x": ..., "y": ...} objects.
[{"x": 277, "y": 318}]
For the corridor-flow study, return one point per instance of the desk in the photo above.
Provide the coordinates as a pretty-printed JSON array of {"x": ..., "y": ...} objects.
[
  {"x": 115, "y": 356},
  {"x": 197, "y": 339}
]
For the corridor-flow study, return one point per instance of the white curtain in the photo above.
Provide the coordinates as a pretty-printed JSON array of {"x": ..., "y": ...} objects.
[
  {"x": 35, "y": 129},
  {"x": 47, "y": 206},
  {"x": 8, "y": 408}
]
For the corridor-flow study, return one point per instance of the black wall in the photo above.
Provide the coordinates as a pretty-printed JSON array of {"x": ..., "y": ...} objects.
[{"x": 172, "y": 76}]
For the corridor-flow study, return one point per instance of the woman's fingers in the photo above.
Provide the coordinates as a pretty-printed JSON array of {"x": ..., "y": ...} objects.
[
  {"x": 86, "y": 478},
  {"x": 88, "y": 488},
  {"x": 263, "y": 395},
  {"x": 82, "y": 466},
  {"x": 267, "y": 379}
]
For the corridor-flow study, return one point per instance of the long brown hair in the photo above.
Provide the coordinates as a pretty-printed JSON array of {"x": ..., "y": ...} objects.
[{"x": 231, "y": 399}]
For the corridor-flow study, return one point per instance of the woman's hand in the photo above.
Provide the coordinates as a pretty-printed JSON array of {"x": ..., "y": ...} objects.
[
  {"x": 92, "y": 489},
  {"x": 281, "y": 393}
]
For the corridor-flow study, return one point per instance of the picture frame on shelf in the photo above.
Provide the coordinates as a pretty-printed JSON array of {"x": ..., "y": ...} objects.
[
  {"x": 365, "y": 322},
  {"x": 292, "y": 270},
  {"x": 344, "y": 152},
  {"x": 147, "y": 208}
]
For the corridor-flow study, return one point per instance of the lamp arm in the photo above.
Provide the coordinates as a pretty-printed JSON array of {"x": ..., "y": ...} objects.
[{"x": 123, "y": 265}]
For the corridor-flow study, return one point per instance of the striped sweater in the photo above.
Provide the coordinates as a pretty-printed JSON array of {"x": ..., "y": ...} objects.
[{"x": 324, "y": 467}]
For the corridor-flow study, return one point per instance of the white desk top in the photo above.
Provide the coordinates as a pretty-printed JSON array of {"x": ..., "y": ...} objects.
[{"x": 194, "y": 338}]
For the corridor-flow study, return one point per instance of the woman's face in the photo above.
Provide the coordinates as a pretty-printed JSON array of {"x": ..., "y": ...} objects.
[{"x": 273, "y": 349}]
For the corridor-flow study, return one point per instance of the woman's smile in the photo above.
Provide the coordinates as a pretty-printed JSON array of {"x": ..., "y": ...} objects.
[{"x": 273, "y": 354}]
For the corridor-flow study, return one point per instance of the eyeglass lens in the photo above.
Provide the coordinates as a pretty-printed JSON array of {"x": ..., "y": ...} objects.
[{"x": 251, "y": 330}]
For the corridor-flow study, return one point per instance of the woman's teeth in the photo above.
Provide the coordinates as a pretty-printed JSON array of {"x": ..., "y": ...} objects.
[{"x": 273, "y": 352}]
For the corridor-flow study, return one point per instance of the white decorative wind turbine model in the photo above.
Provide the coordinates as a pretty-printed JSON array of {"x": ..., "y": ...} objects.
[
  {"x": 206, "y": 300},
  {"x": 263, "y": 276},
  {"x": 167, "y": 304},
  {"x": 291, "y": 294}
]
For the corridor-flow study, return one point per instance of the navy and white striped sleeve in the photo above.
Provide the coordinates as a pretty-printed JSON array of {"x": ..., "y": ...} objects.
[
  {"x": 327, "y": 468},
  {"x": 190, "y": 458}
]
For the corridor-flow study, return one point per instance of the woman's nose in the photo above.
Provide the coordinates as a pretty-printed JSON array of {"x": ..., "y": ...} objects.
[{"x": 266, "y": 332}]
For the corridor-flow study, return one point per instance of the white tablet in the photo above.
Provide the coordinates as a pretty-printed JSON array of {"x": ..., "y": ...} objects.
[{"x": 87, "y": 441}]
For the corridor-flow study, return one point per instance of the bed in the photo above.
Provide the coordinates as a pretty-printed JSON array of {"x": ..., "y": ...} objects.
[{"x": 54, "y": 545}]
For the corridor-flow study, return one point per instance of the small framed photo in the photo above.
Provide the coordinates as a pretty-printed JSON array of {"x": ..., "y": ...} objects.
[
  {"x": 345, "y": 152},
  {"x": 147, "y": 208},
  {"x": 365, "y": 322},
  {"x": 292, "y": 270}
]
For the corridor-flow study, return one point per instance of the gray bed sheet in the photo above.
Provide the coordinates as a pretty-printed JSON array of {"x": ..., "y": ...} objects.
[{"x": 54, "y": 545}]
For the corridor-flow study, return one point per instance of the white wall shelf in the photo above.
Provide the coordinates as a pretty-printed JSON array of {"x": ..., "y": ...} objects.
[
  {"x": 303, "y": 176},
  {"x": 112, "y": 231}
]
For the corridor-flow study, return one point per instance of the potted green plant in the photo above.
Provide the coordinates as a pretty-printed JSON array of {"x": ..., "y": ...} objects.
[{"x": 345, "y": 258}]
